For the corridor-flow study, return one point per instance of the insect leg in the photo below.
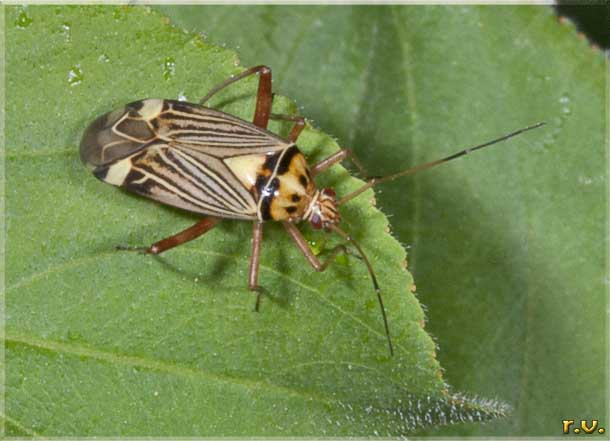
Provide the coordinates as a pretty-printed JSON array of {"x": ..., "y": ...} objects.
[
  {"x": 192, "y": 232},
  {"x": 257, "y": 239},
  {"x": 321, "y": 266},
  {"x": 299, "y": 124},
  {"x": 304, "y": 247},
  {"x": 263, "y": 96},
  {"x": 337, "y": 157}
]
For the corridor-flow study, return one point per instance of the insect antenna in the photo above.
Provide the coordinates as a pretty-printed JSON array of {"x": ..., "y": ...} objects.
[
  {"x": 350, "y": 239},
  {"x": 378, "y": 180}
]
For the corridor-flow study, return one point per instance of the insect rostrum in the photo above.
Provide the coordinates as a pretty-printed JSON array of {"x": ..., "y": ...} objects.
[{"x": 209, "y": 162}]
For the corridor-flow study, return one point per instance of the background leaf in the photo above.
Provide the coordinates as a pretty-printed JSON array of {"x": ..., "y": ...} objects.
[
  {"x": 508, "y": 247},
  {"x": 105, "y": 343}
]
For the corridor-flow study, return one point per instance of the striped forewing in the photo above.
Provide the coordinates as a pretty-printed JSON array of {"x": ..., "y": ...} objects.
[
  {"x": 213, "y": 132},
  {"x": 192, "y": 181},
  {"x": 184, "y": 165}
]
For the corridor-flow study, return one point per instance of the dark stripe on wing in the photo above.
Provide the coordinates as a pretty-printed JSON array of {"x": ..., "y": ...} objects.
[
  {"x": 233, "y": 191},
  {"x": 214, "y": 132},
  {"x": 162, "y": 173},
  {"x": 179, "y": 168},
  {"x": 166, "y": 174}
]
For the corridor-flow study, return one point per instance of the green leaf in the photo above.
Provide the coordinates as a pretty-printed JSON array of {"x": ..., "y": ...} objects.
[
  {"x": 106, "y": 343},
  {"x": 508, "y": 246}
]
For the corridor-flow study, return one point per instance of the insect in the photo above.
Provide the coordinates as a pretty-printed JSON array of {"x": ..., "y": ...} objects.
[{"x": 209, "y": 162}]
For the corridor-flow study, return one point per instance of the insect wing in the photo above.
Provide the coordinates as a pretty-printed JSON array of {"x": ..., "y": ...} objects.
[{"x": 181, "y": 154}]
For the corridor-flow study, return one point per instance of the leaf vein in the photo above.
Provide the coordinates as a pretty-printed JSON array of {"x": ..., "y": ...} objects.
[{"x": 155, "y": 365}]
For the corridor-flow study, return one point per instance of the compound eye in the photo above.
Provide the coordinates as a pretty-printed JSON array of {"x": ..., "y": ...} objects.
[
  {"x": 316, "y": 221},
  {"x": 329, "y": 192}
]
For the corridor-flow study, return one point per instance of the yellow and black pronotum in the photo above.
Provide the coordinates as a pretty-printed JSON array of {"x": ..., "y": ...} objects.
[{"x": 209, "y": 162}]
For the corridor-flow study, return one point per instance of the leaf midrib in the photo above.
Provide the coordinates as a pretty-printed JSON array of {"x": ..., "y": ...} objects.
[{"x": 12, "y": 337}]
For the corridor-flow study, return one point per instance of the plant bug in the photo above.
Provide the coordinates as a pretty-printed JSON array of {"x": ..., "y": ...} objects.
[{"x": 209, "y": 162}]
